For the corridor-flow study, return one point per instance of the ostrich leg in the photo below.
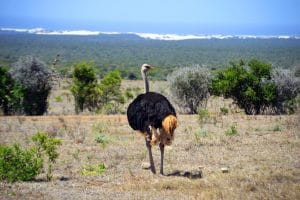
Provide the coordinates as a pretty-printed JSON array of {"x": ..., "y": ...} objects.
[
  {"x": 152, "y": 167},
  {"x": 162, "y": 150}
]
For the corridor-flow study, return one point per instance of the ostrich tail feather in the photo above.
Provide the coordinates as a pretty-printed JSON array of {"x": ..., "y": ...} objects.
[{"x": 169, "y": 124}]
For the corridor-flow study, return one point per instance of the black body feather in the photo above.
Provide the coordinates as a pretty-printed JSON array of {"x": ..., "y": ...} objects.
[{"x": 148, "y": 109}]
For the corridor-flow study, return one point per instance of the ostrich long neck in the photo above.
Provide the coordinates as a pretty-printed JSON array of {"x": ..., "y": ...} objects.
[{"x": 146, "y": 83}]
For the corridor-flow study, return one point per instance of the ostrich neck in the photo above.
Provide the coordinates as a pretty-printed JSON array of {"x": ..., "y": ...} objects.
[{"x": 146, "y": 83}]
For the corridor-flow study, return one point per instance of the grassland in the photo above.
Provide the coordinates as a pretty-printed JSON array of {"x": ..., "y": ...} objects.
[{"x": 101, "y": 157}]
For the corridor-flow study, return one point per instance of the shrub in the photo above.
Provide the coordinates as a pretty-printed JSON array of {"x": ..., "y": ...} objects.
[
  {"x": 47, "y": 146},
  {"x": 11, "y": 94},
  {"x": 17, "y": 164},
  {"x": 190, "y": 87},
  {"x": 250, "y": 85},
  {"x": 258, "y": 88},
  {"x": 35, "y": 78}
]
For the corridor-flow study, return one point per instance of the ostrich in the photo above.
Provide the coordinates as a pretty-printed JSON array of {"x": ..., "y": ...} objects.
[{"x": 154, "y": 116}]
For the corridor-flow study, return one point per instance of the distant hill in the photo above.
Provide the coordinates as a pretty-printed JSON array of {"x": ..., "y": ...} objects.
[{"x": 127, "y": 52}]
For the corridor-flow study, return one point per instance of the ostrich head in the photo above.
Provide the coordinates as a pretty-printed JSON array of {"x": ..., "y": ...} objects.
[{"x": 145, "y": 68}]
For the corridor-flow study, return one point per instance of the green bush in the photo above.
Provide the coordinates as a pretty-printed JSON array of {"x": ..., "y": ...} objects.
[
  {"x": 249, "y": 85},
  {"x": 18, "y": 164},
  {"x": 257, "y": 88}
]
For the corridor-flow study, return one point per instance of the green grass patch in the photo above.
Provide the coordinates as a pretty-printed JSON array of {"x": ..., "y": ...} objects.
[{"x": 97, "y": 169}]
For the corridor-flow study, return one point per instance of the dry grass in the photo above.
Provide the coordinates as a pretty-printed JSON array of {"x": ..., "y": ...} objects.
[
  {"x": 263, "y": 162},
  {"x": 263, "y": 157}
]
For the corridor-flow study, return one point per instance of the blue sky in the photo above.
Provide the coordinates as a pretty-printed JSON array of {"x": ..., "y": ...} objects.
[{"x": 162, "y": 16}]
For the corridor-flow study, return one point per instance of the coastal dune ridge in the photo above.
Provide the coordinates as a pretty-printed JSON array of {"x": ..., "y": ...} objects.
[{"x": 152, "y": 36}]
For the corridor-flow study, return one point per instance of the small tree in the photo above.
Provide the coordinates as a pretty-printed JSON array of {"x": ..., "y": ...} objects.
[
  {"x": 35, "y": 78},
  {"x": 11, "y": 94},
  {"x": 84, "y": 85},
  {"x": 190, "y": 86}
]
